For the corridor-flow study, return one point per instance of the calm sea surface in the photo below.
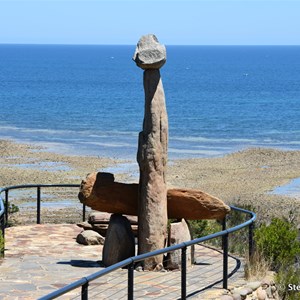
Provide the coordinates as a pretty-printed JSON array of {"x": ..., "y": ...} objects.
[{"x": 90, "y": 99}]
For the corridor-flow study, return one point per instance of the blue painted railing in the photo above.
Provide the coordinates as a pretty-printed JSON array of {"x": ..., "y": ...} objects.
[{"x": 131, "y": 262}]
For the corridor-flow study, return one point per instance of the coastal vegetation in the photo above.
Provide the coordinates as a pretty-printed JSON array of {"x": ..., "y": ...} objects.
[
  {"x": 279, "y": 245},
  {"x": 277, "y": 248}
]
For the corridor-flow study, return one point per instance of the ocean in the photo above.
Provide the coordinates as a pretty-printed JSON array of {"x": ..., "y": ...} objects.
[{"x": 89, "y": 100}]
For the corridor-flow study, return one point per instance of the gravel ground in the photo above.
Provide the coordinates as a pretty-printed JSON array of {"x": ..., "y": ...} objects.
[{"x": 241, "y": 178}]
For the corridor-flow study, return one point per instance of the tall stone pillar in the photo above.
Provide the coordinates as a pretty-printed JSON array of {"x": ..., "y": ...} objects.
[{"x": 152, "y": 152}]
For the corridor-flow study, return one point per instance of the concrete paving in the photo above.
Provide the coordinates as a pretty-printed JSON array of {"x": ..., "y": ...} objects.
[{"x": 42, "y": 258}]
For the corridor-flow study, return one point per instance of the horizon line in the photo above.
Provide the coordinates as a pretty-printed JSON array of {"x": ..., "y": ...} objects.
[{"x": 183, "y": 45}]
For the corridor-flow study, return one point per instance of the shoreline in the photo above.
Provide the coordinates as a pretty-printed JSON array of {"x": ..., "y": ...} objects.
[{"x": 245, "y": 177}]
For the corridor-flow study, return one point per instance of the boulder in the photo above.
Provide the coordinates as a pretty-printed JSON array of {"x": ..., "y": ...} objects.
[
  {"x": 97, "y": 217},
  {"x": 101, "y": 194},
  {"x": 119, "y": 242},
  {"x": 149, "y": 53},
  {"x": 99, "y": 221},
  {"x": 85, "y": 225},
  {"x": 90, "y": 237},
  {"x": 102, "y": 229},
  {"x": 179, "y": 232}
]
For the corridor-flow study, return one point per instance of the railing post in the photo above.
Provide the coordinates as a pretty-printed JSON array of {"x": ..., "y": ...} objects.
[
  {"x": 251, "y": 241},
  {"x": 6, "y": 207},
  {"x": 38, "y": 205},
  {"x": 183, "y": 273},
  {"x": 2, "y": 225},
  {"x": 84, "y": 291},
  {"x": 224, "y": 226},
  {"x": 83, "y": 212},
  {"x": 130, "y": 281},
  {"x": 225, "y": 255}
]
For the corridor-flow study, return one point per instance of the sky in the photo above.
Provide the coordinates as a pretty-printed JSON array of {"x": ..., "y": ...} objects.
[{"x": 174, "y": 22}]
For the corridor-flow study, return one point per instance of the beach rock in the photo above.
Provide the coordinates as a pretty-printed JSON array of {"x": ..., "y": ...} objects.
[
  {"x": 89, "y": 237},
  {"x": 179, "y": 232},
  {"x": 119, "y": 242},
  {"x": 149, "y": 53},
  {"x": 115, "y": 197}
]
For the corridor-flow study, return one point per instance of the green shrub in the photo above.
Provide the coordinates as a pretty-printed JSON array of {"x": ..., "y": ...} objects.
[
  {"x": 202, "y": 228},
  {"x": 286, "y": 278},
  {"x": 199, "y": 228},
  {"x": 278, "y": 242},
  {"x": 12, "y": 208}
]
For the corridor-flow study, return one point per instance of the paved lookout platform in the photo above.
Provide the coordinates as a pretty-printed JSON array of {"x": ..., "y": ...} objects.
[{"x": 42, "y": 258}]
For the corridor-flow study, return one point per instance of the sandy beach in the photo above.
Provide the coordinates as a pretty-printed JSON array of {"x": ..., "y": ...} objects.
[{"x": 240, "y": 178}]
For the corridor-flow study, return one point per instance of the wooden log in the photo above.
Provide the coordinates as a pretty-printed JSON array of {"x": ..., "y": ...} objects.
[{"x": 100, "y": 192}]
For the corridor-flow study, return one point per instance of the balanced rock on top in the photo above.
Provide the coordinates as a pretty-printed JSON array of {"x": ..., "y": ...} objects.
[{"x": 150, "y": 54}]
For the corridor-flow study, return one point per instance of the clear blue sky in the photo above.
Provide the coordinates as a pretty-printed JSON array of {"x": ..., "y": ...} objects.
[{"x": 181, "y": 22}]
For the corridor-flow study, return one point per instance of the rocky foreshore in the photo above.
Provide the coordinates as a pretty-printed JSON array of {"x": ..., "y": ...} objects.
[{"x": 244, "y": 177}]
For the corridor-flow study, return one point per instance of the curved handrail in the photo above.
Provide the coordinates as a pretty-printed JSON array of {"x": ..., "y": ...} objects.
[
  {"x": 2, "y": 207},
  {"x": 132, "y": 260},
  {"x": 142, "y": 257},
  {"x": 4, "y": 219},
  {"x": 2, "y": 212}
]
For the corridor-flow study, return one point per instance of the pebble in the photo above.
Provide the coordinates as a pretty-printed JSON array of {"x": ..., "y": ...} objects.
[
  {"x": 236, "y": 296},
  {"x": 226, "y": 297},
  {"x": 261, "y": 294},
  {"x": 254, "y": 285}
]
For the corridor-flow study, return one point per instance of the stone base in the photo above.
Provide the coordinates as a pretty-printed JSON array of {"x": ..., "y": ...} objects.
[
  {"x": 179, "y": 232},
  {"x": 119, "y": 242}
]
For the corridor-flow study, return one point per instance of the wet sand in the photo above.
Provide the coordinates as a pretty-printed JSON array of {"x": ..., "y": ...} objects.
[{"x": 241, "y": 178}]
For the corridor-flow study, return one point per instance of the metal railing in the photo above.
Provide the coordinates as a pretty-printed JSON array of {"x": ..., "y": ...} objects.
[
  {"x": 130, "y": 263},
  {"x": 2, "y": 217},
  {"x": 38, "y": 187}
]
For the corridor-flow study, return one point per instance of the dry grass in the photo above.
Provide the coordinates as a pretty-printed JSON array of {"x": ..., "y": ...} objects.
[{"x": 257, "y": 267}]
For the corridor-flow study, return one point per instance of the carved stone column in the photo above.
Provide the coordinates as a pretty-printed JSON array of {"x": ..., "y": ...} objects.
[{"x": 152, "y": 152}]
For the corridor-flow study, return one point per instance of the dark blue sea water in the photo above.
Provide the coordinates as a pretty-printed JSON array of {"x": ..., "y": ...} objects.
[{"x": 90, "y": 99}]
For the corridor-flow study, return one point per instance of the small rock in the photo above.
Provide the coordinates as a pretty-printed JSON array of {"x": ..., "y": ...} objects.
[
  {"x": 226, "y": 297},
  {"x": 254, "y": 285},
  {"x": 261, "y": 294},
  {"x": 236, "y": 296},
  {"x": 90, "y": 237},
  {"x": 85, "y": 225},
  {"x": 273, "y": 288},
  {"x": 265, "y": 283},
  {"x": 139, "y": 269},
  {"x": 269, "y": 292},
  {"x": 159, "y": 267},
  {"x": 245, "y": 291}
]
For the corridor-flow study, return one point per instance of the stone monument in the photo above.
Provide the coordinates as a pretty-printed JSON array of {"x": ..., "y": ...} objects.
[
  {"x": 149, "y": 199},
  {"x": 150, "y": 55}
]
